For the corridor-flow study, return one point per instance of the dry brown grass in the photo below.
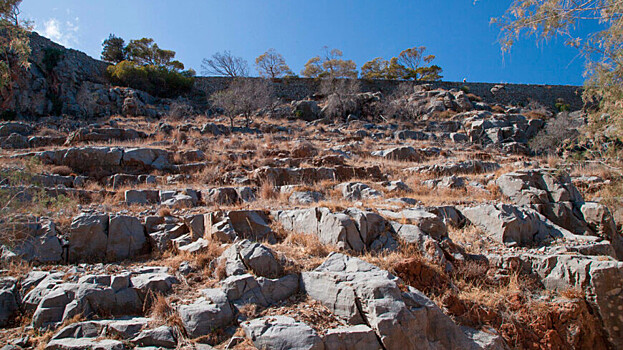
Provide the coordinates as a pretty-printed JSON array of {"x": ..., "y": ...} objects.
[{"x": 470, "y": 237}]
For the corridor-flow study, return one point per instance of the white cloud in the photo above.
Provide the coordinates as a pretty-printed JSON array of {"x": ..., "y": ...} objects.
[{"x": 64, "y": 33}]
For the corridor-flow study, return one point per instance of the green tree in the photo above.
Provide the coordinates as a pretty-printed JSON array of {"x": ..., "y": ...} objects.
[
  {"x": 412, "y": 59},
  {"x": 14, "y": 43},
  {"x": 147, "y": 67},
  {"x": 603, "y": 49},
  {"x": 271, "y": 64},
  {"x": 113, "y": 50},
  {"x": 375, "y": 69},
  {"x": 330, "y": 65},
  {"x": 146, "y": 52}
]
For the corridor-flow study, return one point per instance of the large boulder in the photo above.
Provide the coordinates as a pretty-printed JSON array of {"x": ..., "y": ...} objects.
[
  {"x": 362, "y": 293},
  {"x": 281, "y": 333},
  {"x": 246, "y": 255},
  {"x": 515, "y": 225},
  {"x": 306, "y": 110},
  {"x": 88, "y": 237},
  {"x": 352, "y": 229},
  {"x": 126, "y": 238},
  {"x": 206, "y": 313},
  {"x": 554, "y": 195},
  {"x": 600, "y": 278}
]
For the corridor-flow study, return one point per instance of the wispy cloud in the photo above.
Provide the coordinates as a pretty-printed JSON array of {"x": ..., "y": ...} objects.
[{"x": 64, "y": 33}]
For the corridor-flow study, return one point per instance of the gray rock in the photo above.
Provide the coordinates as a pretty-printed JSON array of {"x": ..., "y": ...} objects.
[
  {"x": 402, "y": 153},
  {"x": 515, "y": 225},
  {"x": 306, "y": 110},
  {"x": 360, "y": 337},
  {"x": 281, "y": 333},
  {"x": 162, "y": 336},
  {"x": 88, "y": 237},
  {"x": 354, "y": 191},
  {"x": 9, "y": 299},
  {"x": 429, "y": 223},
  {"x": 305, "y": 197},
  {"x": 126, "y": 238},
  {"x": 85, "y": 343},
  {"x": 206, "y": 314},
  {"x": 361, "y": 293}
]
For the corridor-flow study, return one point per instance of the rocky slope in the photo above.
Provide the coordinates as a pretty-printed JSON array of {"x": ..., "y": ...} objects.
[{"x": 300, "y": 232}]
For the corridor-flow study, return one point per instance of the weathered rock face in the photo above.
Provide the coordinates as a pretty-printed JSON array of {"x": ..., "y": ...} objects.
[
  {"x": 599, "y": 278},
  {"x": 126, "y": 238},
  {"x": 515, "y": 225},
  {"x": 465, "y": 167},
  {"x": 75, "y": 84},
  {"x": 107, "y": 160},
  {"x": 502, "y": 129},
  {"x": 88, "y": 237},
  {"x": 124, "y": 294},
  {"x": 557, "y": 198},
  {"x": 103, "y": 134},
  {"x": 362, "y": 293},
  {"x": 353, "y": 229}
]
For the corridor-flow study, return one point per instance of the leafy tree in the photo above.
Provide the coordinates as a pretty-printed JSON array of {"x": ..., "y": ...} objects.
[
  {"x": 146, "y": 52},
  {"x": 14, "y": 43},
  {"x": 375, "y": 69},
  {"x": 396, "y": 70},
  {"x": 225, "y": 64},
  {"x": 603, "y": 49},
  {"x": 411, "y": 59},
  {"x": 331, "y": 65},
  {"x": 145, "y": 66},
  {"x": 271, "y": 64},
  {"x": 313, "y": 68},
  {"x": 243, "y": 97},
  {"x": 114, "y": 49}
]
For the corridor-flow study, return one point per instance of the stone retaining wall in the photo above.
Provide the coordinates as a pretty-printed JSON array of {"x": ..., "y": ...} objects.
[{"x": 517, "y": 94}]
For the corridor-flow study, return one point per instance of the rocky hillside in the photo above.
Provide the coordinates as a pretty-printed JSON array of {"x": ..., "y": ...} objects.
[{"x": 141, "y": 230}]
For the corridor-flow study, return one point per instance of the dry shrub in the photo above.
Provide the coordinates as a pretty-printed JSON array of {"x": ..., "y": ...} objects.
[
  {"x": 422, "y": 275},
  {"x": 572, "y": 293},
  {"x": 164, "y": 212},
  {"x": 310, "y": 242},
  {"x": 62, "y": 170},
  {"x": 268, "y": 191},
  {"x": 473, "y": 97},
  {"x": 498, "y": 109},
  {"x": 162, "y": 312}
]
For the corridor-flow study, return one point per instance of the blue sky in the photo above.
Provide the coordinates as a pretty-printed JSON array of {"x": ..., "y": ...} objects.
[{"x": 458, "y": 32}]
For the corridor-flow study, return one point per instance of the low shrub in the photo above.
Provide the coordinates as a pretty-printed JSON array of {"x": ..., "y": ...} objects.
[{"x": 156, "y": 80}]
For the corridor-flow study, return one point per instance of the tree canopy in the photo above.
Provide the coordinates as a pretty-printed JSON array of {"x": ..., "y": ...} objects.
[
  {"x": 142, "y": 51},
  {"x": 408, "y": 65},
  {"x": 271, "y": 64},
  {"x": 603, "y": 49},
  {"x": 330, "y": 65}
]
